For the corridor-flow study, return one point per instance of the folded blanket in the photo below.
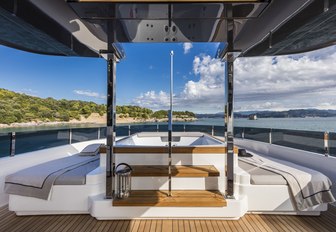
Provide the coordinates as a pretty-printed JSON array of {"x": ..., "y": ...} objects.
[
  {"x": 37, "y": 181},
  {"x": 308, "y": 186}
]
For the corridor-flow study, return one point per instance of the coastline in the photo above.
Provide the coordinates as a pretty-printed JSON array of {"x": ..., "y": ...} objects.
[{"x": 93, "y": 119}]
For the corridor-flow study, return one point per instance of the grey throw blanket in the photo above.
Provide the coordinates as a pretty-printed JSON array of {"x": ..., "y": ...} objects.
[
  {"x": 37, "y": 181},
  {"x": 308, "y": 186}
]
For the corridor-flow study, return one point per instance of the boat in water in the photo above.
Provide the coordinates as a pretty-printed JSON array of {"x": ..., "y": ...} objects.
[
  {"x": 169, "y": 172},
  {"x": 252, "y": 117}
]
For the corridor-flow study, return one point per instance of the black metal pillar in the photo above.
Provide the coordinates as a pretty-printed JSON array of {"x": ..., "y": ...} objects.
[
  {"x": 12, "y": 143},
  {"x": 229, "y": 104},
  {"x": 110, "y": 133}
]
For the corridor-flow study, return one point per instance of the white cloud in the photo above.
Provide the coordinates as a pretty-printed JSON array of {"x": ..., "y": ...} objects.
[
  {"x": 153, "y": 100},
  {"x": 187, "y": 47},
  {"x": 89, "y": 93},
  {"x": 262, "y": 83},
  {"x": 205, "y": 94},
  {"x": 211, "y": 82},
  {"x": 151, "y": 67},
  {"x": 288, "y": 82}
]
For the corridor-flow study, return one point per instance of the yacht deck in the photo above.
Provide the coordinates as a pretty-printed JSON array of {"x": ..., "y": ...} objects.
[{"x": 250, "y": 222}]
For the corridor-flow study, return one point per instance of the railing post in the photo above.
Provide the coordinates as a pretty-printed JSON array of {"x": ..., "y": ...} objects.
[
  {"x": 270, "y": 136},
  {"x": 98, "y": 136},
  {"x": 12, "y": 143},
  {"x": 157, "y": 127},
  {"x": 129, "y": 130},
  {"x": 70, "y": 135},
  {"x": 326, "y": 144},
  {"x": 212, "y": 130},
  {"x": 184, "y": 128}
]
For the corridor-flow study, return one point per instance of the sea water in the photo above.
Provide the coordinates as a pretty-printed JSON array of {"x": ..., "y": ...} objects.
[{"x": 307, "y": 124}]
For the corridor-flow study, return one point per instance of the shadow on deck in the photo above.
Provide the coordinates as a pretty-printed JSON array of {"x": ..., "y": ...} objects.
[{"x": 250, "y": 222}]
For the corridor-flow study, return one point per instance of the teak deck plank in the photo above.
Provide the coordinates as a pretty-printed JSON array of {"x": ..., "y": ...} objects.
[
  {"x": 250, "y": 222},
  {"x": 177, "y": 171},
  {"x": 183, "y": 198}
]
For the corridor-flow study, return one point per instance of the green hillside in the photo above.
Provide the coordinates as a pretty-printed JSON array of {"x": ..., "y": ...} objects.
[{"x": 16, "y": 108}]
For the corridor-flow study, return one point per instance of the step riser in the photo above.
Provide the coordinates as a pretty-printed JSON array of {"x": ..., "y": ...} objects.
[
  {"x": 102, "y": 210},
  {"x": 161, "y": 183}
]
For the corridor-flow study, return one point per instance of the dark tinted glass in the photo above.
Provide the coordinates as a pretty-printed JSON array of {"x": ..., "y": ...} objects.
[
  {"x": 199, "y": 128},
  {"x": 122, "y": 130},
  {"x": 304, "y": 140},
  {"x": 102, "y": 132},
  {"x": 84, "y": 134},
  {"x": 31, "y": 141},
  {"x": 332, "y": 143},
  {"x": 238, "y": 132},
  {"x": 4, "y": 144},
  {"x": 178, "y": 128},
  {"x": 143, "y": 128},
  {"x": 163, "y": 127},
  {"x": 219, "y": 131},
  {"x": 258, "y": 134}
]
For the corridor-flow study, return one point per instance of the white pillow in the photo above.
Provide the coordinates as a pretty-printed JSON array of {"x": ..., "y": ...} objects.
[{"x": 91, "y": 150}]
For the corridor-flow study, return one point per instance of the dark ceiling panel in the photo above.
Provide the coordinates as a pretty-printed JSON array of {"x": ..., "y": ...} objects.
[{"x": 25, "y": 27}]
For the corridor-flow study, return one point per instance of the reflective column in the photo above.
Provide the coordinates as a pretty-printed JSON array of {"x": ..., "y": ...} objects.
[{"x": 229, "y": 104}]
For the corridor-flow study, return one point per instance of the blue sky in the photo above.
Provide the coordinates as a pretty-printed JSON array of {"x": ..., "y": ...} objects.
[
  {"x": 145, "y": 68},
  {"x": 264, "y": 83}
]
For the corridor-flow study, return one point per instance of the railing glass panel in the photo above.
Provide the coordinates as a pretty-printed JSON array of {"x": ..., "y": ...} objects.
[
  {"x": 219, "y": 131},
  {"x": 102, "y": 132},
  {"x": 143, "y": 128},
  {"x": 164, "y": 127},
  {"x": 122, "y": 130},
  {"x": 37, "y": 140},
  {"x": 258, "y": 134},
  {"x": 176, "y": 128},
  {"x": 84, "y": 134},
  {"x": 238, "y": 132},
  {"x": 332, "y": 143},
  {"x": 4, "y": 144},
  {"x": 304, "y": 140},
  {"x": 199, "y": 128}
]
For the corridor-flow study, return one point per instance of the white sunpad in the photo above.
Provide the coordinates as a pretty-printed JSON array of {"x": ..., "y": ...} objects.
[{"x": 309, "y": 187}]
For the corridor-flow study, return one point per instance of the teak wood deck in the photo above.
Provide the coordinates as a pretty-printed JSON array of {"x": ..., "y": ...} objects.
[
  {"x": 177, "y": 170},
  {"x": 183, "y": 198},
  {"x": 254, "y": 223}
]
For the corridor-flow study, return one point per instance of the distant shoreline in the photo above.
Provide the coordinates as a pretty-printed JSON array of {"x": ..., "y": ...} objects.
[{"x": 92, "y": 120}]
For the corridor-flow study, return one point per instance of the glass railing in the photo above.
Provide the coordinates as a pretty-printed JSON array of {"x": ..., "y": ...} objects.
[
  {"x": 84, "y": 134},
  {"x": 312, "y": 141},
  {"x": 31, "y": 141},
  {"x": 258, "y": 134},
  {"x": 143, "y": 128},
  {"x": 37, "y": 140},
  {"x": 332, "y": 143},
  {"x": 4, "y": 144},
  {"x": 304, "y": 140}
]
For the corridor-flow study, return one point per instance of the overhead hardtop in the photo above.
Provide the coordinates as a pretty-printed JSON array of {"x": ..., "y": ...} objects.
[{"x": 87, "y": 27}]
